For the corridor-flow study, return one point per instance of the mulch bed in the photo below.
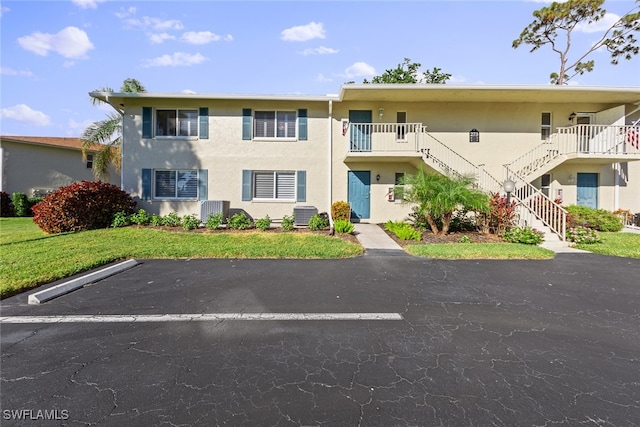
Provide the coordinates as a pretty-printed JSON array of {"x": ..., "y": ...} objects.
[{"x": 429, "y": 237}]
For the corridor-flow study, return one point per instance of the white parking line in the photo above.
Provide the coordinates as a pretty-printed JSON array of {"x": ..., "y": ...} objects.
[{"x": 129, "y": 318}]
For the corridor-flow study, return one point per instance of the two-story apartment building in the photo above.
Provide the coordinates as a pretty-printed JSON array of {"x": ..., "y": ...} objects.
[{"x": 269, "y": 154}]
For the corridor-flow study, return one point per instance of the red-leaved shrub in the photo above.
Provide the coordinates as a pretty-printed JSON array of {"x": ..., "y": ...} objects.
[{"x": 85, "y": 205}]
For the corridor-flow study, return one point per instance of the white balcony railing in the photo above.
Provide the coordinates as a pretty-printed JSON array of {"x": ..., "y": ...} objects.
[
  {"x": 599, "y": 139},
  {"x": 384, "y": 137}
]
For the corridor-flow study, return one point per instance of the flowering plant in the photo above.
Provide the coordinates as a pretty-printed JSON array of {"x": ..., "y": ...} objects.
[{"x": 583, "y": 235}]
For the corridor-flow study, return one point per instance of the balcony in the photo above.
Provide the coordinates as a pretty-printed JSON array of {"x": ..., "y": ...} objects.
[
  {"x": 373, "y": 142},
  {"x": 599, "y": 143}
]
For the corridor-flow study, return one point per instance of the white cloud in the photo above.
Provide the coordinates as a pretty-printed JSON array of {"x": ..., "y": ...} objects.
[
  {"x": 11, "y": 72},
  {"x": 176, "y": 60},
  {"x": 323, "y": 79},
  {"x": 600, "y": 26},
  {"x": 160, "y": 37},
  {"x": 319, "y": 51},
  {"x": 189, "y": 92},
  {"x": 77, "y": 128},
  {"x": 359, "y": 69},
  {"x": 157, "y": 24},
  {"x": 71, "y": 42},
  {"x": 200, "y": 37},
  {"x": 3, "y": 10},
  {"x": 87, "y": 4},
  {"x": 23, "y": 113},
  {"x": 301, "y": 33},
  {"x": 124, "y": 13}
]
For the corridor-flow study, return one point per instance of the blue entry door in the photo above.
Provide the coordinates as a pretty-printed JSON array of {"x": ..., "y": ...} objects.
[
  {"x": 588, "y": 190},
  {"x": 360, "y": 135},
  {"x": 358, "y": 197}
]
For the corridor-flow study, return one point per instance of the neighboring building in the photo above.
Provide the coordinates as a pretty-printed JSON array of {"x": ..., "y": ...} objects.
[
  {"x": 37, "y": 165},
  {"x": 270, "y": 154}
]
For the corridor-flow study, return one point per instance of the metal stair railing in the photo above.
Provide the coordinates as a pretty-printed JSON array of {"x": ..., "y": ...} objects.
[
  {"x": 550, "y": 213},
  {"x": 531, "y": 201},
  {"x": 536, "y": 158}
]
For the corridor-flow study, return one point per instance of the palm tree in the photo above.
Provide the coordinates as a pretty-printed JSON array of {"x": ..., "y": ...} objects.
[
  {"x": 438, "y": 196},
  {"x": 106, "y": 135}
]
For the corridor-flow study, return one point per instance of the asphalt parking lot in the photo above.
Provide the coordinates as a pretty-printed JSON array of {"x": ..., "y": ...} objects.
[{"x": 378, "y": 340}]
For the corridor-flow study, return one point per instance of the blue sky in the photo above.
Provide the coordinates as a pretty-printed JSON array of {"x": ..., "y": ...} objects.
[{"x": 54, "y": 52}]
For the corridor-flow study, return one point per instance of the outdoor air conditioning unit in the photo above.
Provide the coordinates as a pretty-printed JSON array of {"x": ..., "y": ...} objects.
[
  {"x": 303, "y": 214},
  {"x": 208, "y": 207}
]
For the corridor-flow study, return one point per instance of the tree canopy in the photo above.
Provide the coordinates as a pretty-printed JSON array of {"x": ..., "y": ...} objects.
[
  {"x": 407, "y": 72},
  {"x": 107, "y": 133},
  {"x": 554, "y": 24}
]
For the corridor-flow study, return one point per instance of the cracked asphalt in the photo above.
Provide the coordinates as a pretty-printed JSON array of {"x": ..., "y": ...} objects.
[{"x": 480, "y": 343}]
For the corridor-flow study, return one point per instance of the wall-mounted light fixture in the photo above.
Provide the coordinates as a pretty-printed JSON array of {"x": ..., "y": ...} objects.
[
  {"x": 380, "y": 113},
  {"x": 474, "y": 135},
  {"x": 572, "y": 116},
  {"x": 378, "y": 177}
]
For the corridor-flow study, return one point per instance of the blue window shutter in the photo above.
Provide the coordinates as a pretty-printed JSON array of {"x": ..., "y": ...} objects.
[
  {"x": 246, "y": 185},
  {"x": 302, "y": 187},
  {"x": 146, "y": 122},
  {"x": 146, "y": 184},
  {"x": 204, "y": 123},
  {"x": 203, "y": 181},
  {"x": 302, "y": 124},
  {"x": 246, "y": 124}
]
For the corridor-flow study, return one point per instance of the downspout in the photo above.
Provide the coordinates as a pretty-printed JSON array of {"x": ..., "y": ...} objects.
[{"x": 330, "y": 173}]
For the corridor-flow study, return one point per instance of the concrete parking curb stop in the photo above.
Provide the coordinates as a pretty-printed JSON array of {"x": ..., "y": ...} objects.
[{"x": 71, "y": 285}]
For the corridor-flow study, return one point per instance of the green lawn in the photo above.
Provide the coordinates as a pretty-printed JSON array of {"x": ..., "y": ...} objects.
[
  {"x": 30, "y": 257},
  {"x": 617, "y": 244},
  {"x": 480, "y": 251}
]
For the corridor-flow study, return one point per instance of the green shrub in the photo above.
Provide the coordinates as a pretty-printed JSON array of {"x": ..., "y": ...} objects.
[
  {"x": 190, "y": 222},
  {"x": 342, "y": 226},
  {"x": 239, "y": 221},
  {"x": 155, "y": 220},
  {"x": 318, "y": 222},
  {"x": 21, "y": 204},
  {"x": 263, "y": 223},
  {"x": 6, "y": 205},
  {"x": 172, "y": 219},
  {"x": 583, "y": 235},
  {"x": 341, "y": 211},
  {"x": 120, "y": 219},
  {"x": 465, "y": 239},
  {"x": 140, "y": 218},
  {"x": 524, "y": 235},
  {"x": 214, "y": 221},
  {"x": 85, "y": 205},
  {"x": 597, "y": 219},
  {"x": 403, "y": 230},
  {"x": 288, "y": 222}
]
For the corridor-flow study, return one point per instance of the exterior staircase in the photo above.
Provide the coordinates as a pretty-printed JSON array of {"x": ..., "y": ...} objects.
[{"x": 532, "y": 206}]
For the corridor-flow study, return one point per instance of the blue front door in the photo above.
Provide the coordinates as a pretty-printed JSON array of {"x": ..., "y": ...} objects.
[
  {"x": 358, "y": 197},
  {"x": 360, "y": 135},
  {"x": 588, "y": 190}
]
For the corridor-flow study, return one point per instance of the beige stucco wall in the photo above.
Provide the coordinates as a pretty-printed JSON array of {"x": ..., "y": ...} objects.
[
  {"x": 225, "y": 155},
  {"x": 26, "y": 167}
]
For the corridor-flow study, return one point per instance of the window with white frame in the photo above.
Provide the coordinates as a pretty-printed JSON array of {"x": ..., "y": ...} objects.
[
  {"x": 177, "y": 122},
  {"x": 176, "y": 184},
  {"x": 545, "y": 128},
  {"x": 274, "y": 185},
  {"x": 274, "y": 124}
]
